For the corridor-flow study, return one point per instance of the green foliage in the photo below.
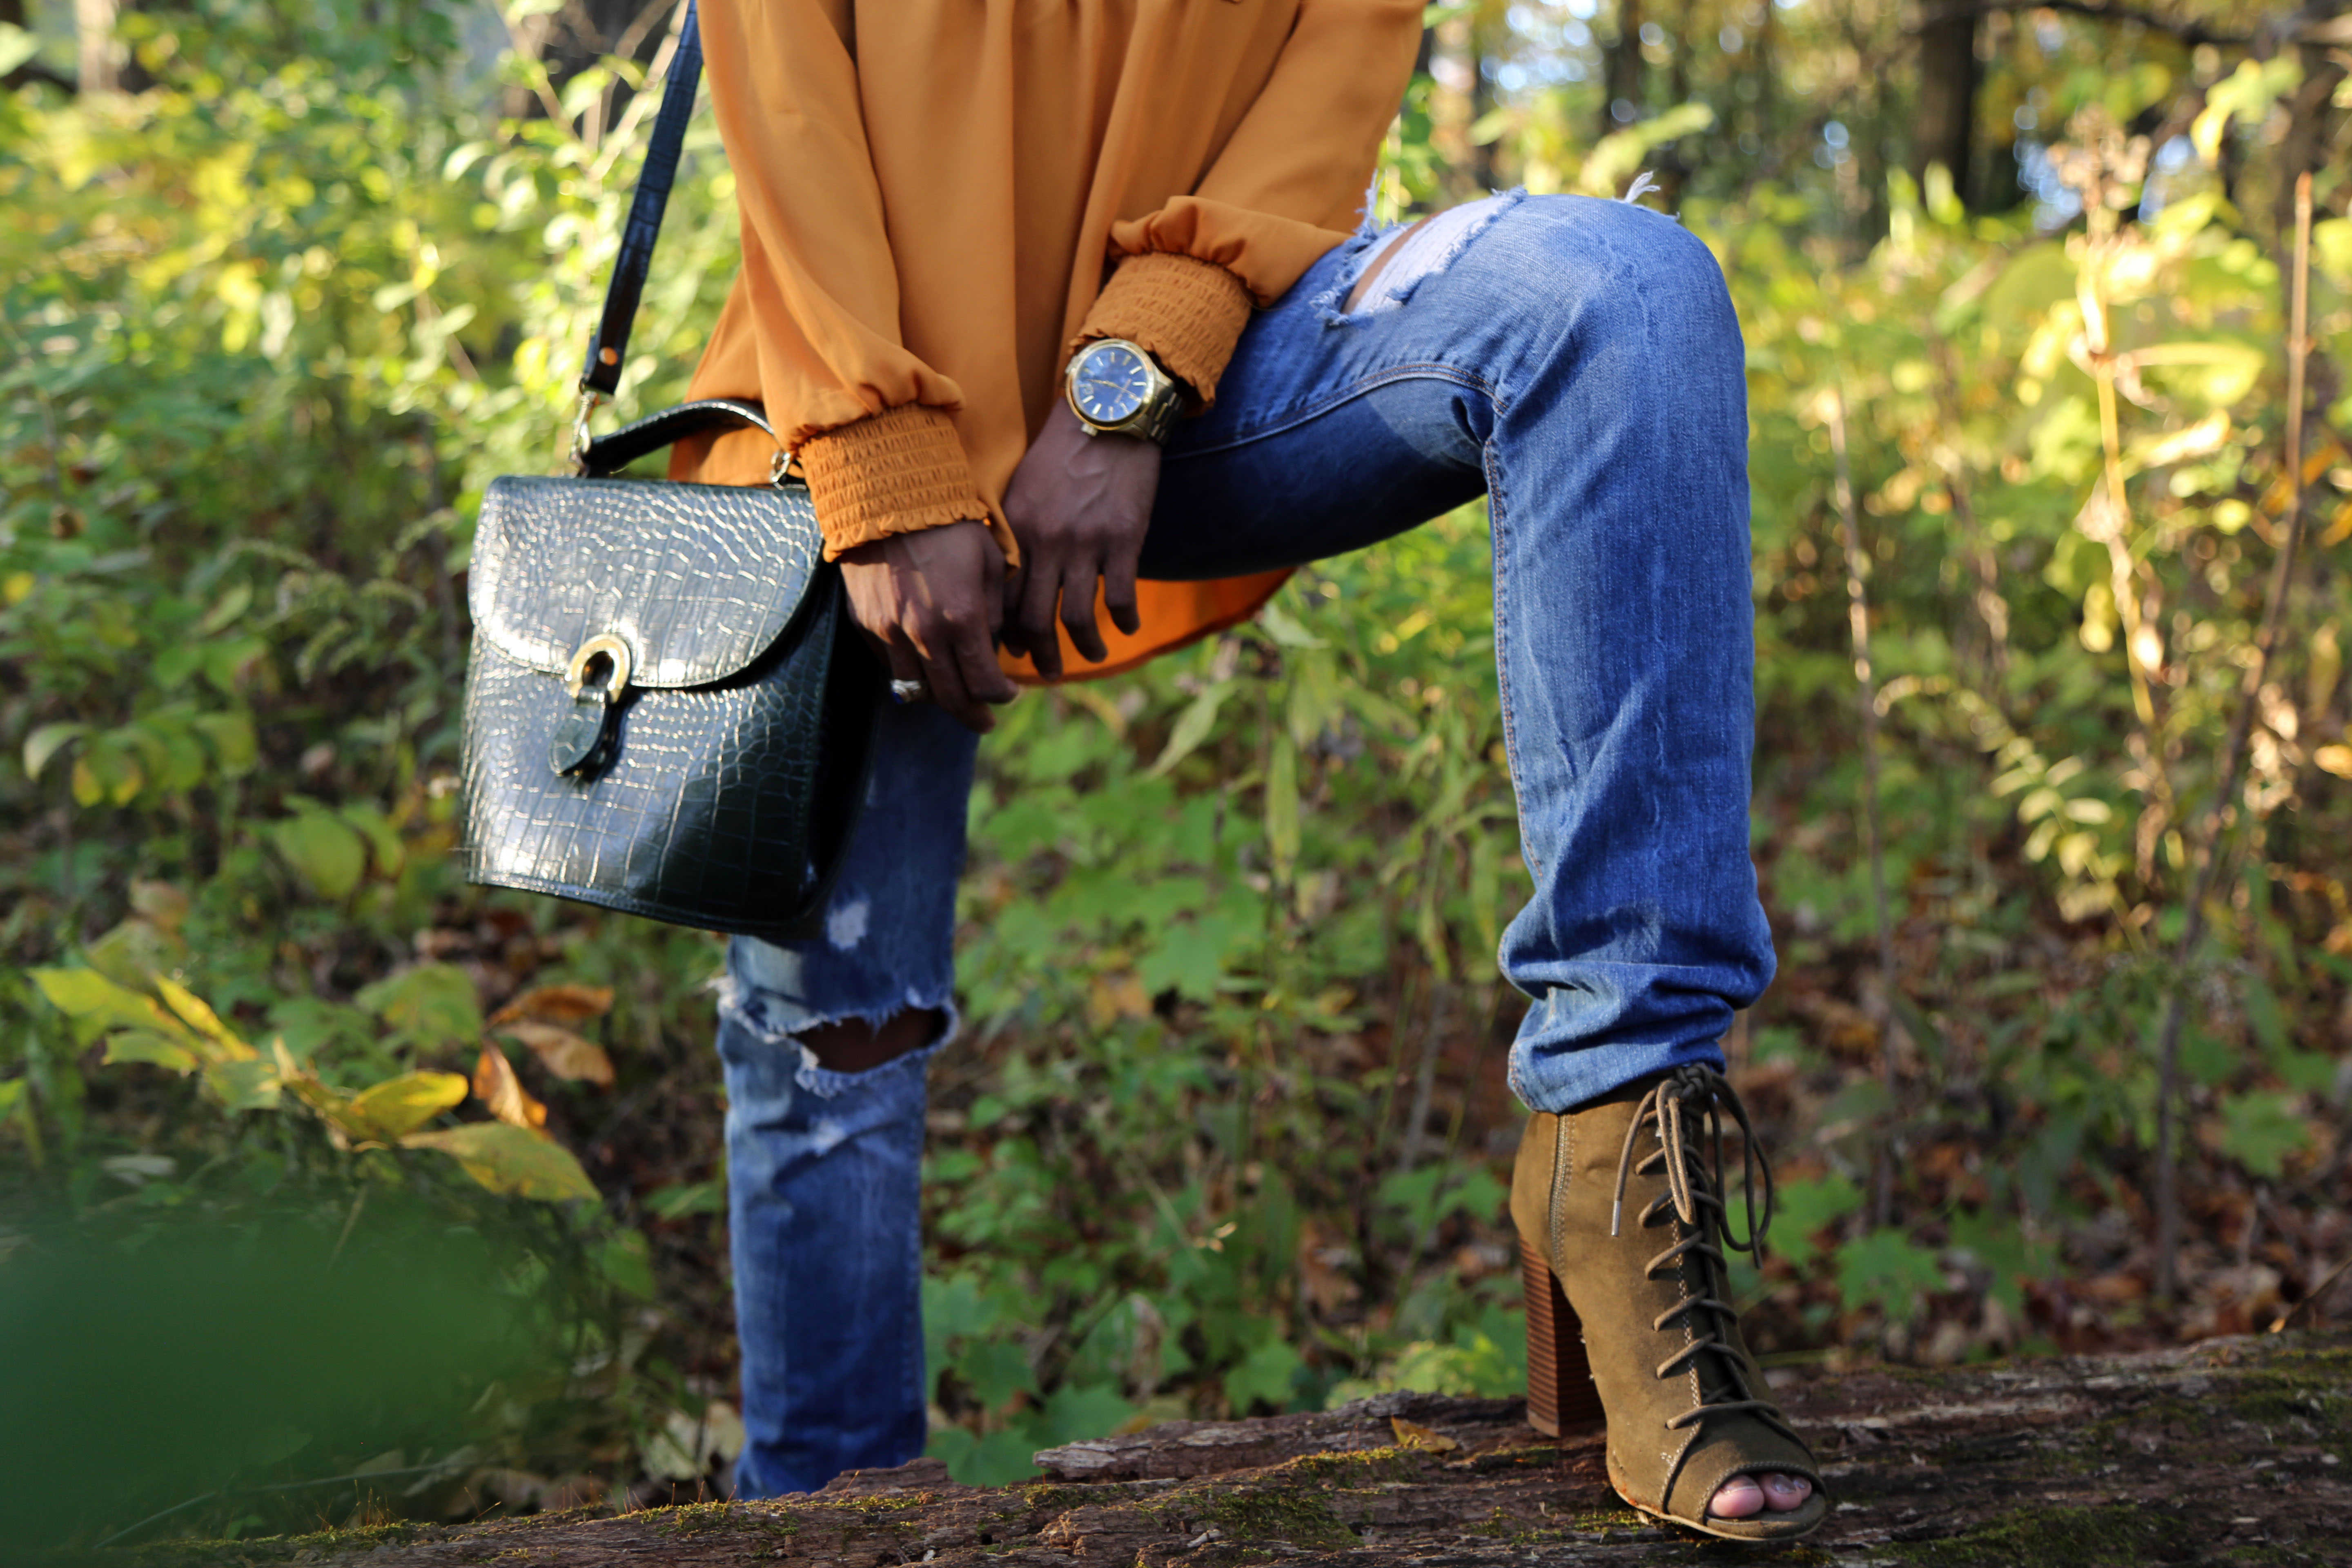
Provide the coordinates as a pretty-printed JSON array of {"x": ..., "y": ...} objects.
[{"x": 1223, "y": 1134}]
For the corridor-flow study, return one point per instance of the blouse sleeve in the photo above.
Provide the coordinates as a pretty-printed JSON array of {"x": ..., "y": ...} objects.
[
  {"x": 868, "y": 418},
  {"x": 1285, "y": 190}
]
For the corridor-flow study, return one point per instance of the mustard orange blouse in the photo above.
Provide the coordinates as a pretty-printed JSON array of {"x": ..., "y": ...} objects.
[{"x": 940, "y": 199}]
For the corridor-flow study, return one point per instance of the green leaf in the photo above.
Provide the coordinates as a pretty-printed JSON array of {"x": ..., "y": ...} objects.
[
  {"x": 2262, "y": 1130},
  {"x": 993, "y": 1371},
  {"x": 508, "y": 1159},
  {"x": 134, "y": 952},
  {"x": 1888, "y": 1270},
  {"x": 1802, "y": 1208},
  {"x": 146, "y": 1046},
  {"x": 12, "y": 1097},
  {"x": 16, "y": 47},
  {"x": 197, "y": 1013},
  {"x": 383, "y": 839},
  {"x": 397, "y": 1106},
  {"x": 1282, "y": 804},
  {"x": 1286, "y": 631},
  {"x": 86, "y": 994},
  {"x": 325, "y": 851},
  {"x": 244, "y": 1086},
  {"x": 231, "y": 737},
  {"x": 1076, "y": 1412},
  {"x": 1267, "y": 1375},
  {"x": 46, "y": 743},
  {"x": 1193, "y": 727},
  {"x": 226, "y": 609},
  {"x": 432, "y": 1003}
]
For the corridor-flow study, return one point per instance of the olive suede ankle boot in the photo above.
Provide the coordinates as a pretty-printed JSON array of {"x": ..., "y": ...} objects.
[{"x": 1620, "y": 1210}]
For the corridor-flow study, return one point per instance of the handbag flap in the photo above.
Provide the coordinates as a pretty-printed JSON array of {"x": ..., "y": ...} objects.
[{"x": 697, "y": 580}]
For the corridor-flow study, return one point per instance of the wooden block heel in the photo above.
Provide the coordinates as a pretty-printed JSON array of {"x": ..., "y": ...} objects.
[{"x": 1560, "y": 1379}]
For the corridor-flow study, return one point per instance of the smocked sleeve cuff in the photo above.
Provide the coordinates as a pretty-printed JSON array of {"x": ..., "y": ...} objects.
[
  {"x": 1187, "y": 312},
  {"x": 897, "y": 471}
]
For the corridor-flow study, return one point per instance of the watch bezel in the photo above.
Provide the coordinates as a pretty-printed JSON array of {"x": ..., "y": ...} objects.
[
  {"x": 1103, "y": 349},
  {"x": 1152, "y": 419}
]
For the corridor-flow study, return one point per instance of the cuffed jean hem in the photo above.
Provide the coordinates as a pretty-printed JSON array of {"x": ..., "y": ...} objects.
[{"x": 1559, "y": 1077}]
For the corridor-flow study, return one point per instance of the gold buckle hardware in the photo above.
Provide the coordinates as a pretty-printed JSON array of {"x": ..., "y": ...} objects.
[
  {"x": 575, "y": 674},
  {"x": 589, "y": 401}
]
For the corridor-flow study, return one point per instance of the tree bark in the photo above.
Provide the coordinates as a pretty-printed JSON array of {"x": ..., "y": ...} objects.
[
  {"x": 1622, "y": 67},
  {"x": 2080, "y": 1462},
  {"x": 1948, "y": 100},
  {"x": 101, "y": 58}
]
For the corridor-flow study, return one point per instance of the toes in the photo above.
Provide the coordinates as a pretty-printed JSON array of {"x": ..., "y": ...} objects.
[
  {"x": 1783, "y": 1494},
  {"x": 1738, "y": 1498}
]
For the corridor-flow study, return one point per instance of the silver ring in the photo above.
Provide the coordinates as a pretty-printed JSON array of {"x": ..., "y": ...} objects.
[{"x": 908, "y": 691}]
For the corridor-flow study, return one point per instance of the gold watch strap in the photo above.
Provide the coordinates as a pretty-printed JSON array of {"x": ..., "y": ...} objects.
[{"x": 1156, "y": 420}]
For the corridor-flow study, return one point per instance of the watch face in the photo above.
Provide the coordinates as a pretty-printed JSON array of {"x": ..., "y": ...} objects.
[{"x": 1111, "y": 384}]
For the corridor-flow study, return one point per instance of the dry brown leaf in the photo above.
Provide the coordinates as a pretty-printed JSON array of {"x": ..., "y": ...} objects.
[
  {"x": 558, "y": 1003},
  {"x": 496, "y": 1086},
  {"x": 564, "y": 1053},
  {"x": 1413, "y": 1434}
]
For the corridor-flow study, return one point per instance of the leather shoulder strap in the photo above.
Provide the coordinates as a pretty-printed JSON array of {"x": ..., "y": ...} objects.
[
  {"x": 610, "y": 453},
  {"x": 609, "y": 344}
]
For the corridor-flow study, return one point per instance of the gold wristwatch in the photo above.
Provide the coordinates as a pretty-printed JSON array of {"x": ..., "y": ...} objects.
[{"x": 1117, "y": 389}]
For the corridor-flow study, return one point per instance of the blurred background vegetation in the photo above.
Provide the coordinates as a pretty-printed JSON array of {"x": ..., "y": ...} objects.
[{"x": 287, "y": 281}]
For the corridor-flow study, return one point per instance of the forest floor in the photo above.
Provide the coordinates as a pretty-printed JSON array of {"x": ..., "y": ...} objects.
[{"x": 2233, "y": 1451}]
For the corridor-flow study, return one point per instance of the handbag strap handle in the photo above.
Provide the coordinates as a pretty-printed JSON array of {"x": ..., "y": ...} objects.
[{"x": 609, "y": 343}]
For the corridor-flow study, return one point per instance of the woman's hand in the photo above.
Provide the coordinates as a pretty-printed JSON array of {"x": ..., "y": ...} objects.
[
  {"x": 931, "y": 604},
  {"x": 1080, "y": 506}
]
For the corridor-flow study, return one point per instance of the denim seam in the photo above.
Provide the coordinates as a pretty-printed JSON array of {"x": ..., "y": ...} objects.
[
  {"x": 1292, "y": 419},
  {"x": 1498, "y": 527}
]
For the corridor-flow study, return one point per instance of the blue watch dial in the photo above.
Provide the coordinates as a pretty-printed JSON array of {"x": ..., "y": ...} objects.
[{"x": 1111, "y": 384}]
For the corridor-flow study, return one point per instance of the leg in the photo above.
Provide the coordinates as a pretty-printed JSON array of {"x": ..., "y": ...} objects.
[
  {"x": 825, "y": 1043},
  {"x": 1579, "y": 361}
]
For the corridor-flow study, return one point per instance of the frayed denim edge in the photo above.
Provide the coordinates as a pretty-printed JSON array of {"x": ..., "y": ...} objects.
[
  {"x": 1326, "y": 305},
  {"x": 822, "y": 1081}
]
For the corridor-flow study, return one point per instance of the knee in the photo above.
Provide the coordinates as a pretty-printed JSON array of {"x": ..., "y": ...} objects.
[{"x": 1623, "y": 265}]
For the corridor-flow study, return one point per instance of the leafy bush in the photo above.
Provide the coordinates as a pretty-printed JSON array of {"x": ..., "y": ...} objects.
[{"x": 1227, "y": 1132}]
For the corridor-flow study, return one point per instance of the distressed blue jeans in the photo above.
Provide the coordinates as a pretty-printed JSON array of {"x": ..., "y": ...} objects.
[{"x": 1577, "y": 361}]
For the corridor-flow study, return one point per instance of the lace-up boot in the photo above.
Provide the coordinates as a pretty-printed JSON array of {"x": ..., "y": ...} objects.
[{"x": 1620, "y": 1213}]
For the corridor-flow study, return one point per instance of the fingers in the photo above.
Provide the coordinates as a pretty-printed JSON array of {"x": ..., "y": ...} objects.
[
  {"x": 1033, "y": 617},
  {"x": 1118, "y": 589},
  {"x": 1078, "y": 614},
  {"x": 1033, "y": 629},
  {"x": 959, "y": 668},
  {"x": 991, "y": 590}
]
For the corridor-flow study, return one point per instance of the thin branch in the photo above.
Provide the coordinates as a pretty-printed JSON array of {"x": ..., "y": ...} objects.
[
  {"x": 529, "y": 52},
  {"x": 2209, "y": 858},
  {"x": 2188, "y": 31},
  {"x": 1857, "y": 596}
]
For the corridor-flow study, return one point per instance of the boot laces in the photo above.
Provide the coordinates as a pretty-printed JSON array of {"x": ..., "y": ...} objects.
[{"x": 1687, "y": 1107}]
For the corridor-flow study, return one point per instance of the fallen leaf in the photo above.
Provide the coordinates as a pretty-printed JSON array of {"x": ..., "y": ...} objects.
[
  {"x": 1413, "y": 1434},
  {"x": 496, "y": 1086},
  {"x": 561, "y": 1052},
  {"x": 557, "y": 1004}
]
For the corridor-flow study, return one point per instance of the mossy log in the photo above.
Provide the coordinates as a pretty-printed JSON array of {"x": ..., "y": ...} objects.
[{"x": 2234, "y": 1451}]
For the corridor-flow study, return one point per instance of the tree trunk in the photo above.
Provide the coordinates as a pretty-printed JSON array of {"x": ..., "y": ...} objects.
[
  {"x": 2107, "y": 1460},
  {"x": 1947, "y": 99},
  {"x": 101, "y": 57},
  {"x": 1623, "y": 68}
]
